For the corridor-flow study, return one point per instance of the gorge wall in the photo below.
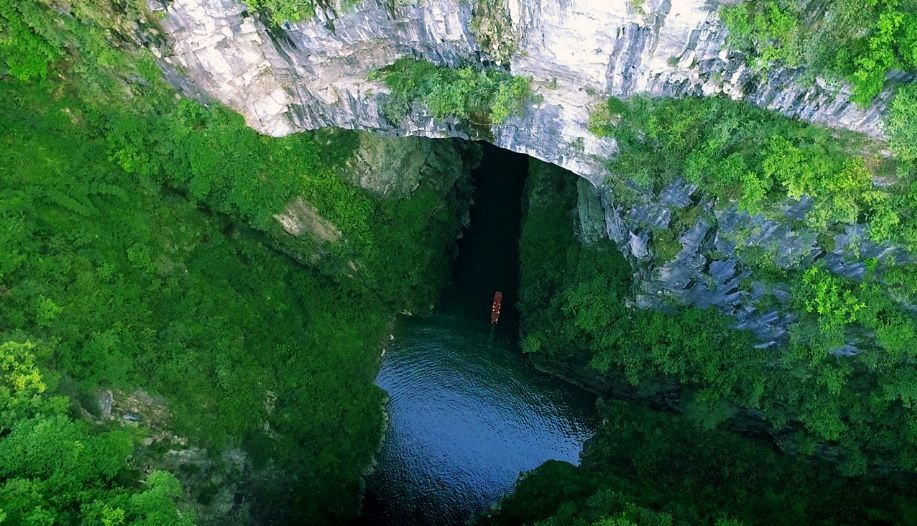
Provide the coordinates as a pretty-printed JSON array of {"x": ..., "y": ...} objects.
[{"x": 313, "y": 74}]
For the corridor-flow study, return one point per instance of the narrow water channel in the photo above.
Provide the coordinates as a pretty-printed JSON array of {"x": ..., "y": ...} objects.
[{"x": 467, "y": 412}]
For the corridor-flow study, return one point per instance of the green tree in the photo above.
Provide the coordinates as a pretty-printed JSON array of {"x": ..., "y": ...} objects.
[
  {"x": 902, "y": 123},
  {"x": 859, "y": 41},
  {"x": 26, "y": 53},
  {"x": 23, "y": 392}
]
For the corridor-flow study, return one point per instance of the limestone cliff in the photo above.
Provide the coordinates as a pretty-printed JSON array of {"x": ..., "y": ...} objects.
[
  {"x": 711, "y": 264},
  {"x": 313, "y": 74}
]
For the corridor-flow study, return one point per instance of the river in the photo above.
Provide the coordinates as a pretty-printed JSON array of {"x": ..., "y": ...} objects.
[{"x": 467, "y": 412}]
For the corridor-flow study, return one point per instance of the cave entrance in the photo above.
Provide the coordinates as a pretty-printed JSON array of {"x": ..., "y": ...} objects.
[
  {"x": 488, "y": 252},
  {"x": 467, "y": 411}
]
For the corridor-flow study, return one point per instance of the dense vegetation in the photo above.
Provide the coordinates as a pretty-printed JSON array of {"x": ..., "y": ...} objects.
[
  {"x": 139, "y": 250},
  {"x": 858, "y": 41},
  {"x": 648, "y": 466},
  {"x": 474, "y": 96},
  {"x": 573, "y": 300},
  {"x": 635, "y": 471},
  {"x": 281, "y": 11},
  {"x": 902, "y": 124},
  {"x": 128, "y": 286},
  {"x": 56, "y": 470},
  {"x": 736, "y": 151}
]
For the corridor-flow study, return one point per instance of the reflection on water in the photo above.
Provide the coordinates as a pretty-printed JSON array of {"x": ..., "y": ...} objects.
[
  {"x": 467, "y": 415},
  {"x": 467, "y": 412}
]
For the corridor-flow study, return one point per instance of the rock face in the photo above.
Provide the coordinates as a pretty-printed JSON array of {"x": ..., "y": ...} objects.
[
  {"x": 313, "y": 74},
  {"x": 392, "y": 168},
  {"x": 714, "y": 250},
  {"x": 218, "y": 484}
]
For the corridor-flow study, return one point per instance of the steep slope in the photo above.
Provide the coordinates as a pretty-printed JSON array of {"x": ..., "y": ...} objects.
[{"x": 313, "y": 73}]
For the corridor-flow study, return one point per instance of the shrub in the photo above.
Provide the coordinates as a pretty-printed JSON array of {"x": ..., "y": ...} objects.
[
  {"x": 26, "y": 53},
  {"x": 858, "y": 41},
  {"x": 902, "y": 123},
  {"x": 758, "y": 158},
  {"x": 477, "y": 97}
]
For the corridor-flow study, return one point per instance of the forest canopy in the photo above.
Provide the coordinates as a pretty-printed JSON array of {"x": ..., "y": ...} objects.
[{"x": 140, "y": 252}]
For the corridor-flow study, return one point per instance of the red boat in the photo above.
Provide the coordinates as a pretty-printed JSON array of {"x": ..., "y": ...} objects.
[{"x": 495, "y": 307}]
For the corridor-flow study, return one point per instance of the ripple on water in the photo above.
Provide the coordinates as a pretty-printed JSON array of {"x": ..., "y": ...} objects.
[{"x": 467, "y": 414}]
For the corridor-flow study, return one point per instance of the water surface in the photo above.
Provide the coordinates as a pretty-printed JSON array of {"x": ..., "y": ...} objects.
[{"x": 467, "y": 412}]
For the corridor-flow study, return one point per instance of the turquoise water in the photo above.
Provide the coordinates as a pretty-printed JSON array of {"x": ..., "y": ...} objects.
[{"x": 467, "y": 412}]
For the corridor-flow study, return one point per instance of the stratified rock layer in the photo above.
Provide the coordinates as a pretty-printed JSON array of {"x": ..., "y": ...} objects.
[{"x": 313, "y": 74}]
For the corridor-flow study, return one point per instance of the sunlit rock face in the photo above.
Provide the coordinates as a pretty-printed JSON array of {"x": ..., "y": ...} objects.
[{"x": 313, "y": 74}]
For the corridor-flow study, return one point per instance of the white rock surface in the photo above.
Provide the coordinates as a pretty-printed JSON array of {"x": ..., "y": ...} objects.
[{"x": 313, "y": 74}]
